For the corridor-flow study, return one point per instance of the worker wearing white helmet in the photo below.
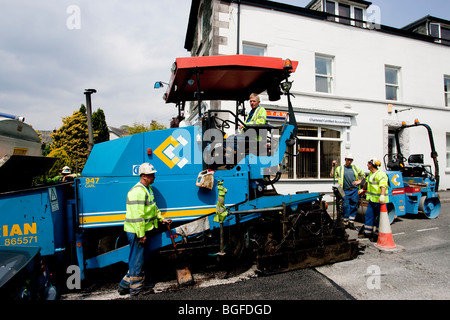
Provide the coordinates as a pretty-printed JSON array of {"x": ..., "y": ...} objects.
[
  {"x": 142, "y": 216},
  {"x": 349, "y": 178},
  {"x": 66, "y": 170},
  {"x": 65, "y": 176},
  {"x": 376, "y": 189},
  {"x": 146, "y": 168}
]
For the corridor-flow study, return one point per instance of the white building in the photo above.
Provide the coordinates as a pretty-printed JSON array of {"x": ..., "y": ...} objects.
[{"x": 356, "y": 82}]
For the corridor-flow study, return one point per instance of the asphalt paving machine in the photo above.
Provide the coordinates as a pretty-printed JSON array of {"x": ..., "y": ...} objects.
[{"x": 200, "y": 168}]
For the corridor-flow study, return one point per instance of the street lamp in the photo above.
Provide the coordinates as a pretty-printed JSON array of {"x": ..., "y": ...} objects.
[
  {"x": 88, "y": 93},
  {"x": 160, "y": 84}
]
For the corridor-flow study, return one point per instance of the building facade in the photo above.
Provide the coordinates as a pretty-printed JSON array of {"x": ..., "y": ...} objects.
[{"x": 356, "y": 82}]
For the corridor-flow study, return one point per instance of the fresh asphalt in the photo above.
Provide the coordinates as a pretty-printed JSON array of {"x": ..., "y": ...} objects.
[{"x": 303, "y": 284}]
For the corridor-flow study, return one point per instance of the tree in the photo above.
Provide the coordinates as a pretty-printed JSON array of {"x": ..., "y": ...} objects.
[
  {"x": 140, "y": 127},
  {"x": 70, "y": 142},
  {"x": 99, "y": 126},
  {"x": 63, "y": 160},
  {"x": 156, "y": 126},
  {"x": 72, "y": 138}
]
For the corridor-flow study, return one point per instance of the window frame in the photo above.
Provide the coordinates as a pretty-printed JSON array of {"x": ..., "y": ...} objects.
[
  {"x": 447, "y": 90},
  {"x": 342, "y": 18},
  {"x": 253, "y": 45},
  {"x": 292, "y": 165},
  {"x": 392, "y": 85},
  {"x": 438, "y": 25},
  {"x": 329, "y": 77},
  {"x": 351, "y": 18},
  {"x": 361, "y": 23},
  {"x": 447, "y": 152},
  {"x": 444, "y": 36},
  {"x": 200, "y": 26}
]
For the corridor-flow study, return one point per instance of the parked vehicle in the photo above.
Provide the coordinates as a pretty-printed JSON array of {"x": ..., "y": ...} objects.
[
  {"x": 413, "y": 186},
  {"x": 24, "y": 275}
]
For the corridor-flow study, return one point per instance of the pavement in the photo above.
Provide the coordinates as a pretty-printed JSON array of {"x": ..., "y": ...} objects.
[
  {"x": 444, "y": 196},
  {"x": 417, "y": 270}
]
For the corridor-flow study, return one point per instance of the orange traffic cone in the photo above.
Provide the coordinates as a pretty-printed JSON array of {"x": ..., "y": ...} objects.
[{"x": 385, "y": 239}]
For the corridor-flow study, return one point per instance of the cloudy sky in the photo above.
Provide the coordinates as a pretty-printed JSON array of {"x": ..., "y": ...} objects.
[{"x": 51, "y": 50}]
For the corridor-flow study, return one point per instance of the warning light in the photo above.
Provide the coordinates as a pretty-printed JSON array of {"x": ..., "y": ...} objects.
[
  {"x": 416, "y": 121},
  {"x": 287, "y": 64},
  {"x": 403, "y": 123}
]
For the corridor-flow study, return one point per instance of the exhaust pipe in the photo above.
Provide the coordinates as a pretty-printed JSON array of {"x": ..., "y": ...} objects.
[{"x": 88, "y": 93}]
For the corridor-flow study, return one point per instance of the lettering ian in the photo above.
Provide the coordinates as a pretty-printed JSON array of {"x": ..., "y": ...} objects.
[{"x": 17, "y": 230}]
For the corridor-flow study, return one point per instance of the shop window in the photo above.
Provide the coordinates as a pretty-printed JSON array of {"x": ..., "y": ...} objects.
[
  {"x": 307, "y": 159},
  {"x": 313, "y": 153}
]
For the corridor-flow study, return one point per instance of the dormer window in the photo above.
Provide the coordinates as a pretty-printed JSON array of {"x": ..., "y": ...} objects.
[
  {"x": 435, "y": 30},
  {"x": 345, "y": 13},
  {"x": 439, "y": 32},
  {"x": 438, "y": 29},
  {"x": 358, "y": 16}
]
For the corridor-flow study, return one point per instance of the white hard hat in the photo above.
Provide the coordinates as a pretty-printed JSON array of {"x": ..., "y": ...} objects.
[
  {"x": 349, "y": 156},
  {"x": 146, "y": 168},
  {"x": 66, "y": 169}
]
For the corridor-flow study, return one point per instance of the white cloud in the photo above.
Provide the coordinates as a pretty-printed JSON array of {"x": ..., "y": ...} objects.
[{"x": 121, "y": 48}]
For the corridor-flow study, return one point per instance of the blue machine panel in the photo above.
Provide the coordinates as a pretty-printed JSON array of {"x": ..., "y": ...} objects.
[
  {"x": 34, "y": 217},
  {"x": 175, "y": 153}
]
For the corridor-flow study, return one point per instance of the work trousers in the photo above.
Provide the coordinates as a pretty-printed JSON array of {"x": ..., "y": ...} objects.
[
  {"x": 134, "y": 279},
  {"x": 350, "y": 205},
  {"x": 371, "y": 218}
]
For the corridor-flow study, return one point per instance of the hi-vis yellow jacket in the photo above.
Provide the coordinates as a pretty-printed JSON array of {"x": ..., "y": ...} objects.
[
  {"x": 339, "y": 173},
  {"x": 374, "y": 183},
  {"x": 258, "y": 117},
  {"x": 142, "y": 213}
]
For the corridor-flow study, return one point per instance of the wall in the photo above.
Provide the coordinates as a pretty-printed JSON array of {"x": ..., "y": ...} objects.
[{"x": 360, "y": 56}]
